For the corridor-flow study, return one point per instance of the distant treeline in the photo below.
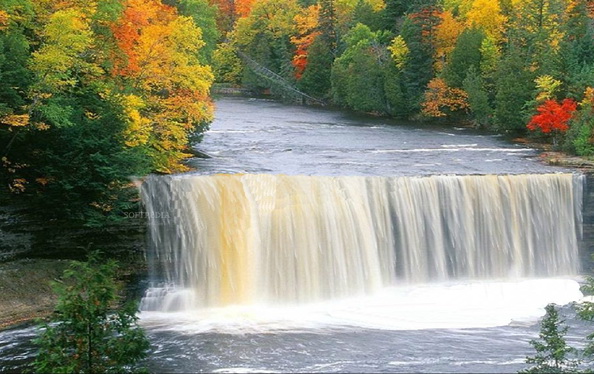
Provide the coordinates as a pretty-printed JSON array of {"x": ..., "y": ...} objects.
[{"x": 507, "y": 65}]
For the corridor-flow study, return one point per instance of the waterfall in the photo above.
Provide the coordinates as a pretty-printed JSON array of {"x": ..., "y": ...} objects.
[{"x": 272, "y": 239}]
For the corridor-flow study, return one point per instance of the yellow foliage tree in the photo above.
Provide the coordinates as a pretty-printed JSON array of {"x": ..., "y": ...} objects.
[
  {"x": 161, "y": 63},
  {"x": 486, "y": 15},
  {"x": 3, "y": 20},
  {"x": 399, "y": 51},
  {"x": 60, "y": 62},
  {"x": 307, "y": 24},
  {"x": 446, "y": 34}
]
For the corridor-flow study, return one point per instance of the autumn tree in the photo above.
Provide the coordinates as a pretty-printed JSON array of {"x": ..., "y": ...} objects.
[
  {"x": 553, "y": 116},
  {"x": 94, "y": 92},
  {"x": 226, "y": 64},
  {"x": 204, "y": 16},
  {"x": 307, "y": 28},
  {"x": 160, "y": 62},
  {"x": 441, "y": 100},
  {"x": 487, "y": 16},
  {"x": 447, "y": 34},
  {"x": 71, "y": 159}
]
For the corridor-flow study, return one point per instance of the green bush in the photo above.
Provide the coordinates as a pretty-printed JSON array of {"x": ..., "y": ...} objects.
[
  {"x": 553, "y": 355},
  {"x": 85, "y": 334}
]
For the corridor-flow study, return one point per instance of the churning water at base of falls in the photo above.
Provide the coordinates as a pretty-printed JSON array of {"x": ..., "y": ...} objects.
[
  {"x": 415, "y": 311},
  {"x": 433, "y": 328},
  {"x": 256, "y": 273},
  {"x": 289, "y": 240}
]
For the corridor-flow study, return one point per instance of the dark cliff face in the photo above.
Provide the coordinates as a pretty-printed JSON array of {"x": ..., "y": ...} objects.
[
  {"x": 587, "y": 240},
  {"x": 23, "y": 233}
]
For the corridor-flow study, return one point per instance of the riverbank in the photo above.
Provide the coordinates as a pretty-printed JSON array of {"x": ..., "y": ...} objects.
[
  {"x": 26, "y": 292},
  {"x": 25, "y": 289}
]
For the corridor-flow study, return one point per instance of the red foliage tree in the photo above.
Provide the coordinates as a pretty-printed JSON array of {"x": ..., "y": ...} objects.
[{"x": 553, "y": 116}]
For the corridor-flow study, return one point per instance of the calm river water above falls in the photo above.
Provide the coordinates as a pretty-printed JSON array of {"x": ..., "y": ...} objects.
[
  {"x": 262, "y": 136},
  {"x": 459, "y": 325}
]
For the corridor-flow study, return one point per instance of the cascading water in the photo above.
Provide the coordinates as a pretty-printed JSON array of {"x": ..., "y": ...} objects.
[{"x": 271, "y": 239}]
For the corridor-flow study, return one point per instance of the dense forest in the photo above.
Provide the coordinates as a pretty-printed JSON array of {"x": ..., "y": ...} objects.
[
  {"x": 510, "y": 65},
  {"x": 93, "y": 93}
]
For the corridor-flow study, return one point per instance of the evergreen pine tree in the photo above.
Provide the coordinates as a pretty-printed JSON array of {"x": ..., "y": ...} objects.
[
  {"x": 478, "y": 98},
  {"x": 316, "y": 78},
  {"x": 85, "y": 335},
  {"x": 514, "y": 85},
  {"x": 465, "y": 55},
  {"x": 418, "y": 70},
  {"x": 552, "y": 352}
]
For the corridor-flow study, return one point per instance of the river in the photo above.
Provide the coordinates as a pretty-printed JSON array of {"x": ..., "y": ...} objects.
[
  {"x": 453, "y": 325},
  {"x": 264, "y": 136}
]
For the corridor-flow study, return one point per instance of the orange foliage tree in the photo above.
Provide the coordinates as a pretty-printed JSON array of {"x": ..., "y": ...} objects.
[
  {"x": 243, "y": 7},
  {"x": 440, "y": 100},
  {"x": 307, "y": 25},
  {"x": 553, "y": 116},
  {"x": 167, "y": 88}
]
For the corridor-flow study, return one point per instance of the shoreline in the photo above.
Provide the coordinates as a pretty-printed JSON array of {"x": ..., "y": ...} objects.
[{"x": 25, "y": 290}]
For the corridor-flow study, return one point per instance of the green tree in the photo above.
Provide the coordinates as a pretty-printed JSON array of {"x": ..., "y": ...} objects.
[
  {"x": 205, "y": 17},
  {"x": 576, "y": 52},
  {"x": 226, "y": 65},
  {"x": 514, "y": 85},
  {"x": 586, "y": 313},
  {"x": 359, "y": 74},
  {"x": 327, "y": 24},
  {"x": 316, "y": 77},
  {"x": 364, "y": 13},
  {"x": 536, "y": 30},
  {"x": 579, "y": 137},
  {"x": 418, "y": 69},
  {"x": 393, "y": 13},
  {"x": 553, "y": 355},
  {"x": 478, "y": 98},
  {"x": 88, "y": 165},
  {"x": 465, "y": 55},
  {"x": 265, "y": 36},
  {"x": 396, "y": 103},
  {"x": 15, "y": 78},
  {"x": 85, "y": 335}
]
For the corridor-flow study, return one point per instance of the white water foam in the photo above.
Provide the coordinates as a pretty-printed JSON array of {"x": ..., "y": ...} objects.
[{"x": 452, "y": 305}]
